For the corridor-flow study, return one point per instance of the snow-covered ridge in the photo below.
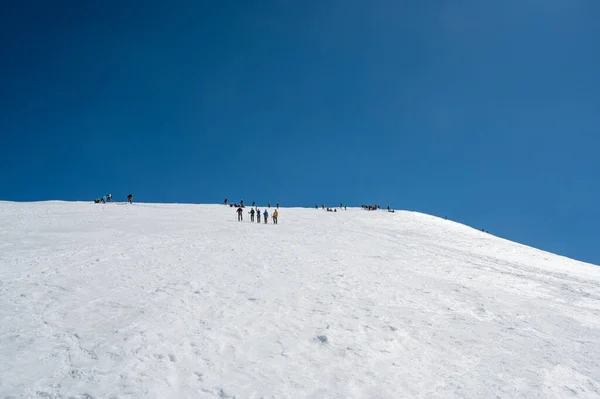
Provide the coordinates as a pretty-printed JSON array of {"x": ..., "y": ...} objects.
[{"x": 183, "y": 301}]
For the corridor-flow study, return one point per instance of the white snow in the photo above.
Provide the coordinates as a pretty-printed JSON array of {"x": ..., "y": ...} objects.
[{"x": 182, "y": 301}]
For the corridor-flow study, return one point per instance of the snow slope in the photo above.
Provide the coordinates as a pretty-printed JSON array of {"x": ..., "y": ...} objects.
[{"x": 182, "y": 301}]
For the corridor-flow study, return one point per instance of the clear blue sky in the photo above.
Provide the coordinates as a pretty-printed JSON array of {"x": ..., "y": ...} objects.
[{"x": 485, "y": 112}]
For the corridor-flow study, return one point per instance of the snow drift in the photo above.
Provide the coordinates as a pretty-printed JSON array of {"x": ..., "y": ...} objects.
[{"x": 182, "y": 301}]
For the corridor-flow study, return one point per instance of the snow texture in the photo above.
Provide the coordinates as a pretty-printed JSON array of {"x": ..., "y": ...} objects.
[{"x": 183, "y": 301}]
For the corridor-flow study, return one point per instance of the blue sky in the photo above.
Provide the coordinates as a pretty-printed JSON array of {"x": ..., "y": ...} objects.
[{"x": 485, "y": 112}]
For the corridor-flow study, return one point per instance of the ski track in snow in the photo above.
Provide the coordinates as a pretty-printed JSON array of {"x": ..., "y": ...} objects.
[{"x": 183, "y": 301}]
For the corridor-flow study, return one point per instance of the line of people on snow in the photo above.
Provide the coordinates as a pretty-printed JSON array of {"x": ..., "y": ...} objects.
[
  {"x": 241, "y": 204},
  {"x": 366, "y": 207},
  {"x": 376, "y": 208},
  {"x": 256, "y": 212},
  {"x": 342, "y": 206},
  {"x": 372, "y": 207},
  {"x": 108, "y": 198}
]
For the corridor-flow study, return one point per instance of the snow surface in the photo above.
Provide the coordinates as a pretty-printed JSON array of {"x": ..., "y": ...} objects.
[{"x": 182, "y": 301}]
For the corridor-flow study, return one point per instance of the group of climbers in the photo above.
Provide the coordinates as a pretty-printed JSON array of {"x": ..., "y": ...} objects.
[
  {"x": 371, "y": 207},
  {"x": 103, "y": 199},
  {"x": 256, "y": 212},
  {"x": 241, "y": 204},
  {"x": 342, "y": 206},
  {"x": 108, "y": 198},
  {"x": 376, "y": 208}
]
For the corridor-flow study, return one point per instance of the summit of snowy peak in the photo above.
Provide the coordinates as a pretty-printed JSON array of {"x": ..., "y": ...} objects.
[{"x": 169, "y": 300}]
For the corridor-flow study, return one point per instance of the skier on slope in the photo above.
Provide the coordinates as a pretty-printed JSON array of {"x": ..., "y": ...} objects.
[
  {"x": 130, "y": 198},
  {"x": 278, "y": 205},
  {"x": 275, "y": 216},
  {"x": 240, "y": 212},
  {"x": 266, "y": 216},
  {"x": 257, "y": 215},
  {"x": 251, "y": 214}
]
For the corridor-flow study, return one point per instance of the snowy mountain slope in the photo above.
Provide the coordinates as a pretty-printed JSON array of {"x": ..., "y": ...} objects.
[{"x": 182, "y": 301}]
